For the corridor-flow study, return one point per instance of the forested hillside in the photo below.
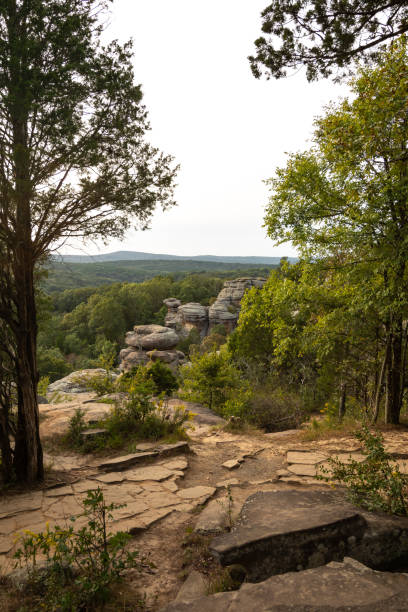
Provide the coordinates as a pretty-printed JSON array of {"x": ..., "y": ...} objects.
[
  {"x": 68, "y": 275},
  {"x": 78, "y": 326}
]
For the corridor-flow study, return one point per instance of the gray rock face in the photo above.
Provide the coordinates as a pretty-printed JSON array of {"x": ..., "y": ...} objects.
[
  {"x": 194, "y": 315},
  {"x": 283, "y": 531},
  {"x": 337, "y": 587},
  {"x": 148, "y": 337},
  {"x": 226, "y": 308},
  {"x": 172, "y": 318},
  {"x": 76, "y": 381},
  {"x": 150, "y": 343},
  {"x": 183, "y": 318},
  {"x": 133, "y": 359}
]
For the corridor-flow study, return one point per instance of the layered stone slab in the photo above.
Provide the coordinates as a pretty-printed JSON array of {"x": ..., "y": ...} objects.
[
  {"x": 339, "y": 587},
  {"x": 282, "y": 531}
]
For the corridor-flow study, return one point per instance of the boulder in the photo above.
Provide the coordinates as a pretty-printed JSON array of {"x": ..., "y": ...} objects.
[
  {"x": 133, "y": 360},
  {"x": 287, "y": 530},
  {"x": 76, "y": 381},
  {"x": 148, "y": 337}
]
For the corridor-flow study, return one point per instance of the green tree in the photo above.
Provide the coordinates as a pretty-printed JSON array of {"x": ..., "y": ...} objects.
[
  {"x": 324, "y": 35},
  {"x": 210, "y": 379},
  {"x": 344, "y": 202},
  {"x": 74, "y": 164}
]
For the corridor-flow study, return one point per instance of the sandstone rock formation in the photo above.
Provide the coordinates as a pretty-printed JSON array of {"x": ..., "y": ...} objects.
[
  {"x": 150, "y": 343},
  {"x": 183, "y": 318},
  {"x": 155, "y": 342},
  {"x": 226, "y": 308}
]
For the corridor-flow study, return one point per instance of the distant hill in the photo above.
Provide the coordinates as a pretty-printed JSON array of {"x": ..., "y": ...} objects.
[
  {"x": 138, "y": 256},
  {"x": 72, "y": 275}
]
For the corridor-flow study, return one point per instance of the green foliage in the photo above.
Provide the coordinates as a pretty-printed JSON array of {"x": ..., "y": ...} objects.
[
  {"x": 376, "y": 484},
  {"x": 82, "y": 565},
  {"x": 72, "y": 283},
  {"x": 274, "y": 408},
  {"x": 211, "y": 379},
  {"x": 343, "y": 205},
  {"x": 192, "y": 340},
  {"x": 76, "y": 426},
  {"x": 164, "y": 379},
  {"x": 52, "y": 363},
  {"x": 43, "y": 385},
  {"x": 323, "y": 35}
]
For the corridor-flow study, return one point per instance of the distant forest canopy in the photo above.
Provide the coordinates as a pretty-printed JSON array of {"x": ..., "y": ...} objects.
[
  {"x": 66, "y": 275},
  {"x": 139, "y": 255},
  {"x": 80, "y": 327}
]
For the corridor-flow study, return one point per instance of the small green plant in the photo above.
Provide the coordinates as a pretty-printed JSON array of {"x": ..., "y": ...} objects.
[
  {"x": 43, "y": 385},
  {"x": 81, "y": 566},
  {"x": 377, "y": 483},
  {"x": 76, "y": 426}
]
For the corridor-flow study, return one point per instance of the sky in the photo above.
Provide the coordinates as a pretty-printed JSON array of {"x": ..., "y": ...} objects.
[{"x": 226, "y": 129}]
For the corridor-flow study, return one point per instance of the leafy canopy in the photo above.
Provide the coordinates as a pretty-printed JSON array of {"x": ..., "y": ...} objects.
[{"x": 324, "y": 35}]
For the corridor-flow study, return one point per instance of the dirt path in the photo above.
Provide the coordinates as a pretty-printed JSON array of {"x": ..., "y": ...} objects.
[{"x": 164, "y": 499}]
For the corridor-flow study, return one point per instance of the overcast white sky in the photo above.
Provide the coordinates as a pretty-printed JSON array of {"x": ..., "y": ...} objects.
[{"x": 227, "y": 130}]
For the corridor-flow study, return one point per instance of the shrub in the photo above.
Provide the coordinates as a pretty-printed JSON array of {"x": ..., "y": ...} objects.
[
  {"x": 193, "y": 339},
  {"x": 76, "y": 427},
  {"x": 274, "y": 409},
  {"x": 52, "y": 363},
  {"x": 43, "y": 385},
  {"x": 377, "y": 483},
  {"x": 81, "y": 566},
  {"x": 164, "y": 379},
  {"x": 211, "y": 379},
  {"x": 139, "y": 417}
]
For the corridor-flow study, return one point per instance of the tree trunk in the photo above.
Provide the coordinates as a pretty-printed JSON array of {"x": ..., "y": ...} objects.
[
  {"x": 380, "y": 383},
  {"x": 394, "y": 378},
  {"x": 28, "y": 456},
  {"x": 5, "y": 446},
  {"x": 342, "y": 402}
]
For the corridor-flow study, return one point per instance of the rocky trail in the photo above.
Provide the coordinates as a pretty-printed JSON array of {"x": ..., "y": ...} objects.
[{"x": 203, "y": 486}]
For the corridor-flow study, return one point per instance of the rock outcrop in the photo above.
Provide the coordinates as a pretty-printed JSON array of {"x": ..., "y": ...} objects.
[
  {"x": 226, "y": 308},
  {"x": 76, "y": 382},
  {"x": 155, "y": 342},
  {"x": 348, "y": 586},
  {"x": 150, "y": 343},
  {"x": 224, "y": 311},
  {"x": 184, "y": 318}
]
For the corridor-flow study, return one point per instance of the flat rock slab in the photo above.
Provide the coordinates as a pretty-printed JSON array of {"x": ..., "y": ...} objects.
[
  {"x": 126, "y": 461},
  {"x": 232, "y": 464},
  {"x": 231, "y": 482},
  {"x": 281, "y": 531},
  {"x": 305, "y": 457},
  {"x": 303, "y": 469},
  {"x": 214, "y": 518},
  {"x": 153, "y": 472},
  {"x": 168, "y": 450},
  {"x": 338, "y": 587},
  {"x": 276, "y": 435},
  {"x": 194, "y": 586},
  {"x": 197, "y": 492}
]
